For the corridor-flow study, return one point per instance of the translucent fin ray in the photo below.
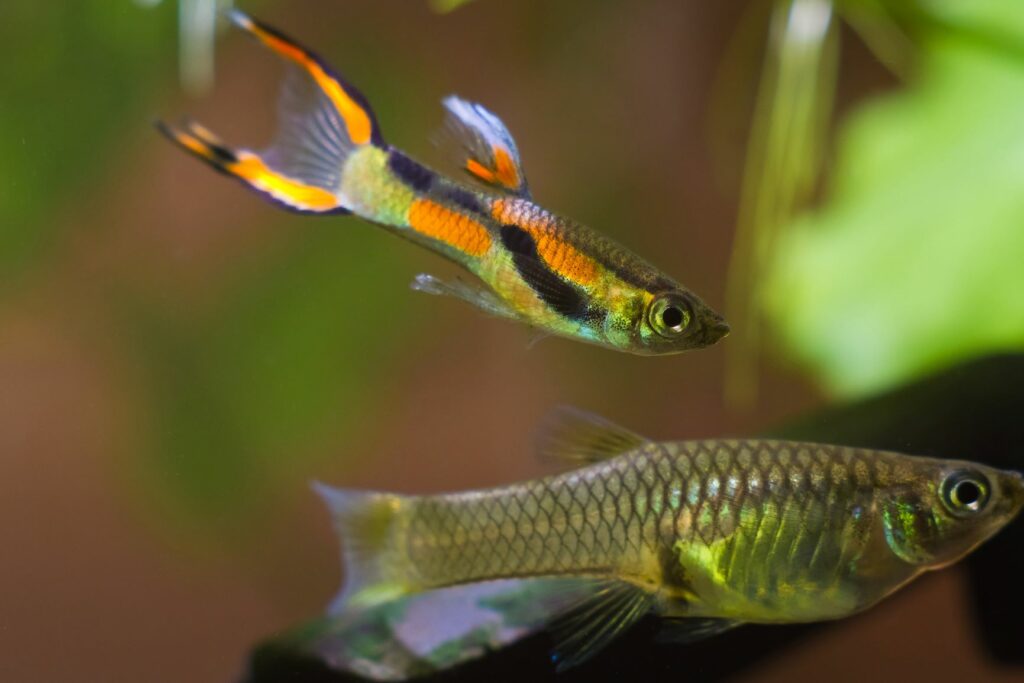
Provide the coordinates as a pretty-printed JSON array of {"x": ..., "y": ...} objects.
[
  {"x": 477, "y": 295},
  {"x": 293, "y": 193},
  {"x": 365, "y": 520},
  {"x": 575, "y": 436},
  {"x": 691, "y": 630},
  {"x": 360, "y": 125},
  {"x": 321, "y": 121},
  {"x": 611, "y": 609}
]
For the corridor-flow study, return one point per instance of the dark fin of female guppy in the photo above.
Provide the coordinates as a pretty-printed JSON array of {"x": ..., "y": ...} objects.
[
  {"x": 692, "y": 629},
  {"x": 610, "y": 608},
  {"x": 321, "y": 120},
  {"x": 487, "y": 151},
  {"x": 574, "y": 436},
  {"x": 366, "y": 522}
]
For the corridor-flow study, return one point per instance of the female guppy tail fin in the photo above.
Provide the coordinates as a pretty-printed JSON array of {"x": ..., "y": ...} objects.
[
  {"x": 321, "y": 121},
  {"x": 367, "y": 523}
]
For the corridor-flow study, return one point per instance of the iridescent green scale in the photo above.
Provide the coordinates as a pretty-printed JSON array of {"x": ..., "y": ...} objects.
[
  {"x": 713, "y": 532},
  {"x": 730, "y": 528}
]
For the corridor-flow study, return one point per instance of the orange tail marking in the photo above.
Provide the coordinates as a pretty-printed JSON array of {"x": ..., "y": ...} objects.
[
  {"x": 253, "y": 170},
  {"x": 453, "y": 228},
  {"x": 357, "y": 121},
  {"x": 559, "y": 255}
]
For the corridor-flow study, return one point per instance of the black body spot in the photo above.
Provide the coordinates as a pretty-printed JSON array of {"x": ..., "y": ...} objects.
[
  {"x": 411, "y": 173},
  {"x": 562, "y": 296},
  {"x": 465, "y": 199}
]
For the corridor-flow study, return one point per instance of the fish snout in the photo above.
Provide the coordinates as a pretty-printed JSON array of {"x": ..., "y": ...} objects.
[
  {"x": 1011, "y": 493},
  {"x": 714, "y": 329}
]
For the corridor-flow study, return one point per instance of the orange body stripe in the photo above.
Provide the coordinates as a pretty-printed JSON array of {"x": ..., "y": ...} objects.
[
  {"x": 356, "y": 119},
  {"x": 453, "y": 228},
  {"x": 252, "y": 169},
  {"x": 559, "y": 255}
]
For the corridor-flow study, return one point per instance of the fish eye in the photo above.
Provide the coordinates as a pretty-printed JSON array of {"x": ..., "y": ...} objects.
[
  {"x": 670, "y": 315},
  {"x": 965, "y": 492}
]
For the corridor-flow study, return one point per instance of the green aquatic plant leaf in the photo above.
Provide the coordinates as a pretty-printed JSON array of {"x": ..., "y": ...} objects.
[
  {"x": 76, "y": 72},
  {"x": 784, "y": 157},
  {"x": 914, "y": 262},
  {"x": 444, "y": 6}
]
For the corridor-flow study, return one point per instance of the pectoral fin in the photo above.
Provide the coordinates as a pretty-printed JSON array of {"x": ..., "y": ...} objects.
[
  {"x": 690, "y": 630},
  {"x": 608, "y": 611},
  {"x": 475, "y": 295}
]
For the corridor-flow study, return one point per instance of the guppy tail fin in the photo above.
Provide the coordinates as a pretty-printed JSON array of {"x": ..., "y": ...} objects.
[
  {"x": 321, "y": 121},
  {"x": 367, "y": 524}
]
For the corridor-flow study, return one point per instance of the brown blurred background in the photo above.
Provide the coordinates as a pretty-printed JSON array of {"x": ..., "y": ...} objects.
[{"x": 179, "y": 359}]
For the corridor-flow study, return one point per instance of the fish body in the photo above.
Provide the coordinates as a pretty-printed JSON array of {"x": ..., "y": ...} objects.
[
  {"x": 708, "y": 533},
  {"x": 536, "y": 267}
]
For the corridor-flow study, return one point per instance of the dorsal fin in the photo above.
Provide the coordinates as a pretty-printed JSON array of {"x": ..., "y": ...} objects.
[
  {"x": 486, "y": 148},
  {"x": 574, "y": 435}
]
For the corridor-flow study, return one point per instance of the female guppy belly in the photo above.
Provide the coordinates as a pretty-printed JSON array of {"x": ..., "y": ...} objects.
[{"x": 755, "y": 531}]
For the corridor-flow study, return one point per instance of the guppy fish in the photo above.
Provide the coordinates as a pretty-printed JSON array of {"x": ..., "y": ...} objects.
[
  {"x": 709, "y": 534},
  {"x": 538, "y": 268}
]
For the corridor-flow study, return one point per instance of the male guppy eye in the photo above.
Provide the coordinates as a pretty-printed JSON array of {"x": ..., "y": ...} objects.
[
  {"x": 965, "y": 492},
  {"x": 670, "y": 315}
]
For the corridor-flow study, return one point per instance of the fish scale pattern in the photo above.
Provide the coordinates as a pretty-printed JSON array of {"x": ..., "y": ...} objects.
[{"x": 758, "y": 515}]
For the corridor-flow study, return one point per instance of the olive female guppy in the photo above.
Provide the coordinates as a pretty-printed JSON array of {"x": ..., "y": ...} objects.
[
  {"x": 539, "y": 268},
  {"x": 708, "y": 533}
]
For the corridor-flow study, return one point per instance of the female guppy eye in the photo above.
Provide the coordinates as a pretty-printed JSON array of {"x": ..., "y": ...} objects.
[
  {"x": 965, "y": 492},
  {"x": 670, "y": 315}
]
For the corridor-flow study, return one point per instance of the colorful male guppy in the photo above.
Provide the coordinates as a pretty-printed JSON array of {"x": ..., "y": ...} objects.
[
  {"x": 538, "y": 268},
  {"x": 707, "y": 533}
]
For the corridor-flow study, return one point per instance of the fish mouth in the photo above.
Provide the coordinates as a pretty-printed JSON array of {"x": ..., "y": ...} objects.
[
  {"x": 1014, "y": 482},
  {"x": 715, "y": 330}
]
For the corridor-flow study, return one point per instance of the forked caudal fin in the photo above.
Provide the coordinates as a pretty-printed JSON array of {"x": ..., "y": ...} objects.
[
  {"x": 321, "y": 121},
  {"x": 367, "y": 524}
]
